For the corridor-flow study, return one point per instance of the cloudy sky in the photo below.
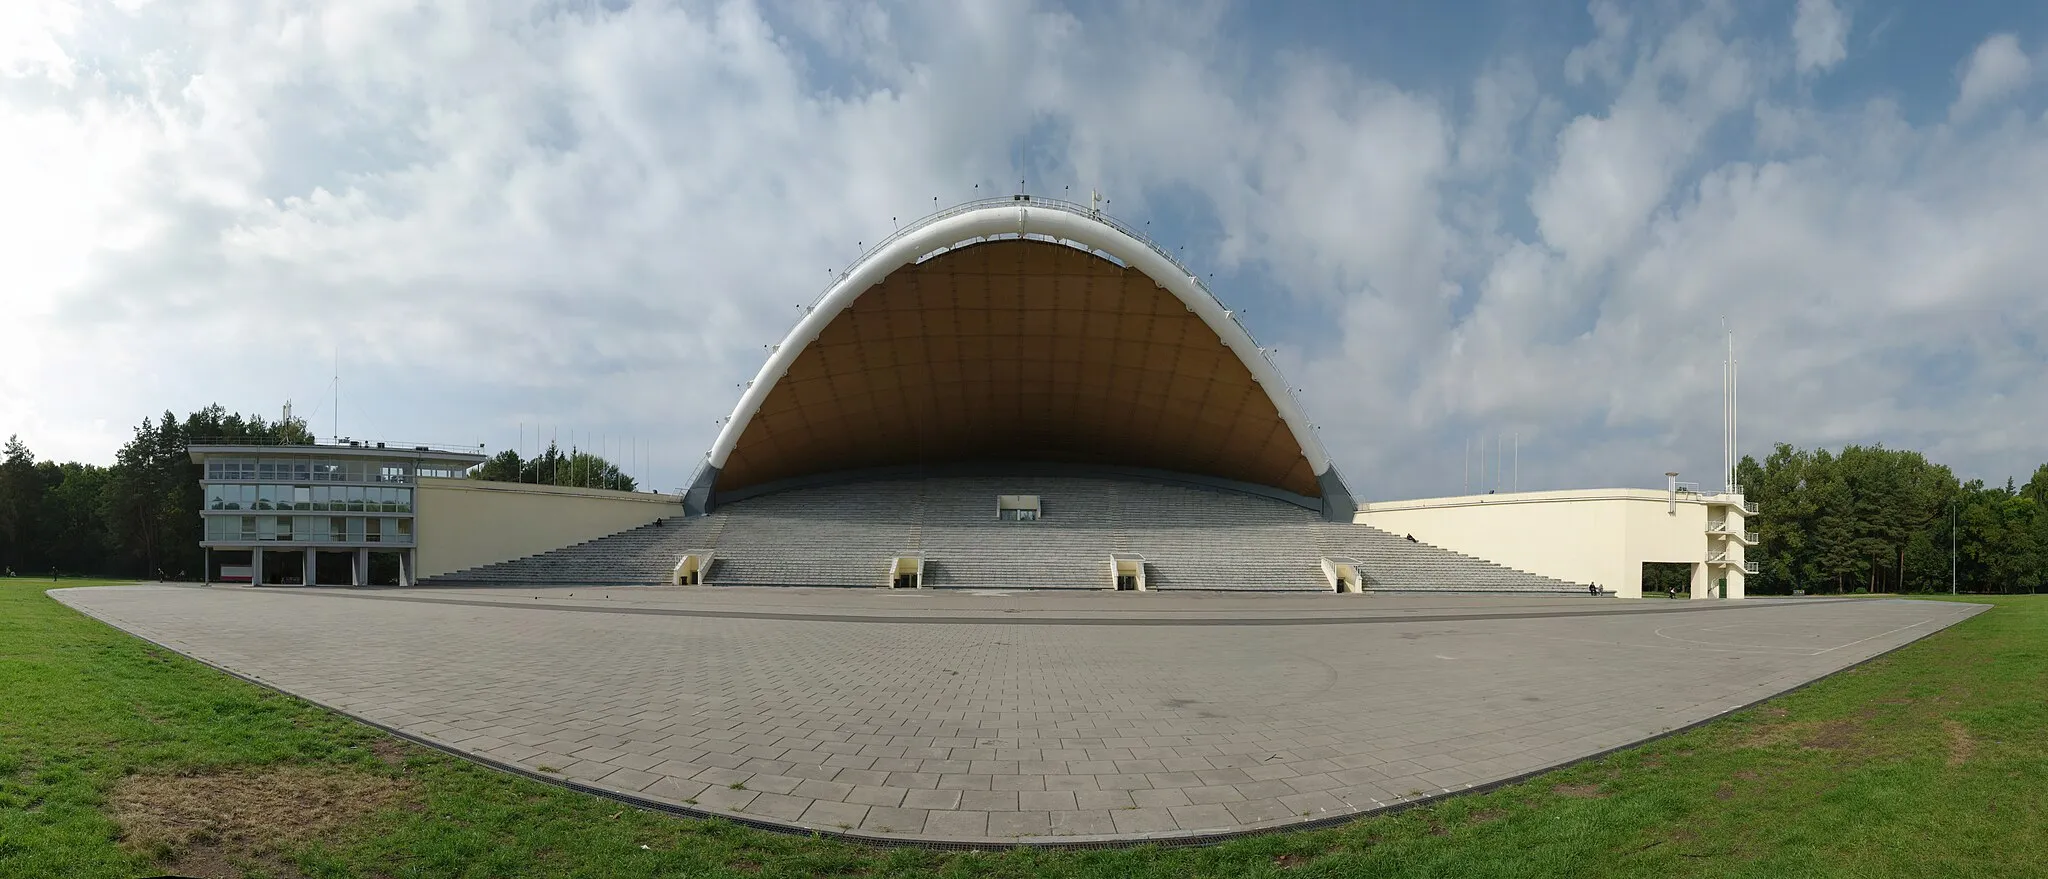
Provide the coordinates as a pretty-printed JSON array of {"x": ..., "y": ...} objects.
[{"x": 1453, "y": 219}]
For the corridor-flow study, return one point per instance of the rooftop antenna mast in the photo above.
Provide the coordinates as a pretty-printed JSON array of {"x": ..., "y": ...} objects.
[{"x": 1730, "y": 396}]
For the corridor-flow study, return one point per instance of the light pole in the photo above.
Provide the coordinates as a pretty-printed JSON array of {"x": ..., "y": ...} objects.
[{"x": 1952, "y": 546}]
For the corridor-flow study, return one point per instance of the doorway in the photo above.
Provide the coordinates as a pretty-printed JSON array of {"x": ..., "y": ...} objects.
[
  {"x": 335, "y": 568},
  {"x": 1667, "y": 580}
]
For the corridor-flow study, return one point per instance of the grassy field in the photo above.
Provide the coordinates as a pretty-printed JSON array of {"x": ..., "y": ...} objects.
[{"x": 120, "y": 759}]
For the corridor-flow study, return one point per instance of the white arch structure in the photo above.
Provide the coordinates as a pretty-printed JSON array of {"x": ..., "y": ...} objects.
[{"x": 1050, "y": 220}]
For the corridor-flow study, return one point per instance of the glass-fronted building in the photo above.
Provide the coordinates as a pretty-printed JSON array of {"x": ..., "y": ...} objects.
[{"x": 315, "y": 514}]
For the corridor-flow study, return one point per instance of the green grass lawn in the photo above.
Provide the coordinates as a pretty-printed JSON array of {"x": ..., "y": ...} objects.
[{"x": 121, "y": 759}]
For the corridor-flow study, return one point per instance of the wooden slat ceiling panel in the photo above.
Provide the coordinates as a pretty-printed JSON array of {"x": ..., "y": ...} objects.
[{"x": 1019, "y": 350}]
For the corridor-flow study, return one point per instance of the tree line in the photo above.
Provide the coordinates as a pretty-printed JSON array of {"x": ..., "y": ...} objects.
[
  {"x": 555, "y": 467},
  {"x": 136, "y": 518},
  {"x": 1865, "y": 518},
  {"x": 140, "y": 518},
  {"x": 1873, "y": 519}
]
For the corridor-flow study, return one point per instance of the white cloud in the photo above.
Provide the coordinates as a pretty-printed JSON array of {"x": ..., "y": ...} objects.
[
  {"x": 1820, "y": 35},
  {"x": 561, "y": 215},
  {"x": 1997, "y": 68},
  {"x": 1613, "y": 170}
]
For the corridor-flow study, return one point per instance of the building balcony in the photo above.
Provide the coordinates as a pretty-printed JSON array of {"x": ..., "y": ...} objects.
[
  {"x": 1731, "y": 499},
  {"x": 1732, "y": 531},
  {"x": 1751, "y": 568}
]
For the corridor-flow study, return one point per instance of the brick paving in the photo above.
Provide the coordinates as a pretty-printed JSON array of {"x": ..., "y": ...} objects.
[{"x": 998, "y": 718}]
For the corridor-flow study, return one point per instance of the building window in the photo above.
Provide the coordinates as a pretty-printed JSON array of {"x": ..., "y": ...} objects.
[
  {"x": 337, "y": 528},
  {"x": 404, "y": 530},
  {"x": 230, "y": 468}
]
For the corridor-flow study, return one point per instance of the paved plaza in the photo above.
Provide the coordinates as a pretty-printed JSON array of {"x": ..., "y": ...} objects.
[{"x": 996, "y": 718}]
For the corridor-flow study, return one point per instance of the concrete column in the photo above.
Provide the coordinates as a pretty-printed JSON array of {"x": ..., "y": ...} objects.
[
  {"x": 256, "y": 566},
  {"x": 1738, "y": 583},
  {"x": 1702, "y": 581},
  {"x": 360, "y": 571},
  {"x": 308, "y": 578},
  {"x": 405, "y": 568}
]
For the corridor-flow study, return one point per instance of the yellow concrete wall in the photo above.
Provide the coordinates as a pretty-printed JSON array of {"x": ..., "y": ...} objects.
[
  {"x": 1557, "y": 534},
  {"x": 1585, "y": 536},
  {"x": 464, "y": 523}
]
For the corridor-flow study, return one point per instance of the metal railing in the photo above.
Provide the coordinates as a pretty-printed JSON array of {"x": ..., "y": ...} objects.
[
  {"x": 1731, "y": 498},
  {"x": 246, "y": 441},
  {"x": 337, "y": 442},
  {"x": 1751, "y": 538},
  {"x": 1751, "y": 568}
]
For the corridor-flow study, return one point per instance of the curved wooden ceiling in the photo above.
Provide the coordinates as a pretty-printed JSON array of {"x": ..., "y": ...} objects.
[{"x": 1018, "y": 350}]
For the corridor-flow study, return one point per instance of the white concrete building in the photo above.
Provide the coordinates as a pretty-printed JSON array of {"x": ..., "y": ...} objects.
[
  {"x": 271, "y": 511},
  {"x": 1601, "y": 536}
]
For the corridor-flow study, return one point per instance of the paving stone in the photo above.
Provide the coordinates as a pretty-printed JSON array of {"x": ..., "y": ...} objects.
[
  {"x": 1007, "y": 825},
  {"x": 845, "y": 816},
  {"x": 868, "y": 727},
  {"x": 674, "y": 789},
  {"x": 1046, "y": 801},
  {"x": 1082, "y": 823},
  {"x": 823, "y": 790},
  {"x": 1104, "y": 799},
  {"x": 1197, "y": 818},
  {"x": 956, "y": 825},
  {"x": 774, "y": 784},
  {"x": 1256, "y": 811},
  {"x": 1017, "y": 782},
  {"x": 989, "y": 801},
  {"x": 872, "y": 795},
  {"x": 884, "y": 819},
  {"x": 1161, "y": 798},
  {"x": 1137, "y": 821},
  {"x": 918, "y": 798},
  {"x": 726, "y": 799},
  {"x": 630, "y": 780},
  {"x": 777, "y": 806}
]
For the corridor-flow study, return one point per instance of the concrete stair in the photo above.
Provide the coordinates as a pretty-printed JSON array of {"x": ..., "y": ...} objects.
[{"x": 844, "y": 535}]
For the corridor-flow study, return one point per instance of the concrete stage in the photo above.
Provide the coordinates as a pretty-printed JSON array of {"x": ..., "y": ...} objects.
[{"x": 992, "y": 718}]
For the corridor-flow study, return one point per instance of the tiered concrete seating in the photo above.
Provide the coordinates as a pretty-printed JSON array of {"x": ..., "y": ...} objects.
[
  {"x": 1392, "y": 563},
  {"x": 844, "y": 535},
  {"x": 1067, "y": 548},
  {"x": 643, "y": 555},
  {"x": 836, "y": 535},
  {"x": 1194, "y": 538}
]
